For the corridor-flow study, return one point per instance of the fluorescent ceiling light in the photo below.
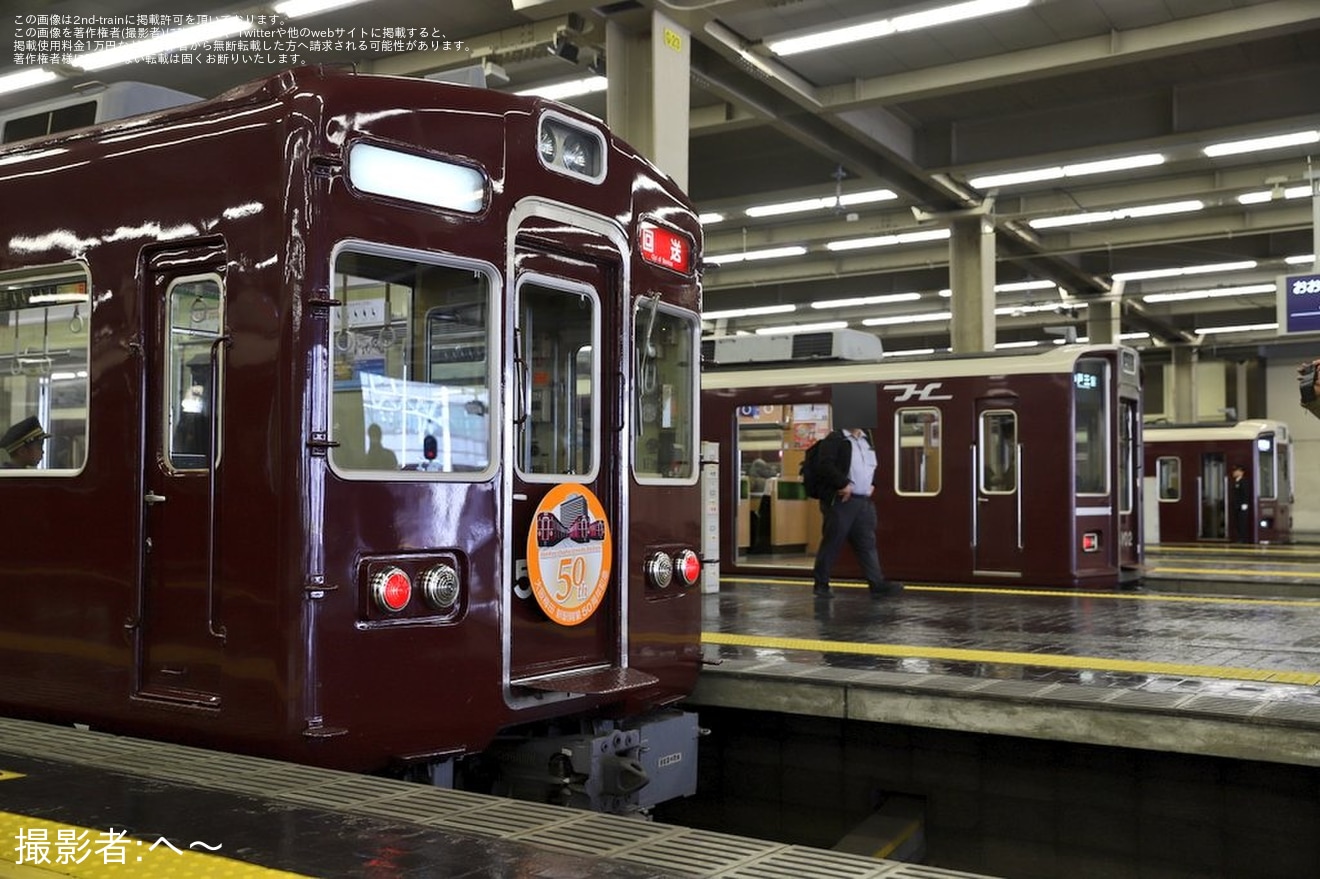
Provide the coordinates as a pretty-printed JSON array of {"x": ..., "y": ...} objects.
[
  {"x": 1080, "y": 169},
  {"x": 710, "y": 218},
  {"x": 931, "y": 317},
  {"x": 1240, "y": 328},
  {"x": 748, "y": 312},
  {"x": 1212, "y": 268},
  {"x": 1135, "y": 212},
  {"x": 573, "y": 88},
  {"x": 910, "y": 352},
  {"x": 1014, "y": 286},
  {"x": 821, "y": 204},
  {"x": 752, "y": 255},
  {"x": 1255, "y": 144},
  {"x": 884, "y": 27},
  {"x": 857, "y": 301},
  {"x": 887, "y": 240},
  {"x": 1017, "y": 310},
  {"x": 802, "y": 328},
  {"x": 1002, "y": 345},
  {"x": 1265, "y": 195},
  {"x": 300, "y": 8},
  {"x": 1214, "y": 293},
  {"x": 1299, "y": 260},
  {"x": 206, "y": 32},
  {"x": 25, "y": 79}
]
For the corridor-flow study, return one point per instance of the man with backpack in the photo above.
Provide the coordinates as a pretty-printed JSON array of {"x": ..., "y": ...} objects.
[{"x": 844, "y": 465}]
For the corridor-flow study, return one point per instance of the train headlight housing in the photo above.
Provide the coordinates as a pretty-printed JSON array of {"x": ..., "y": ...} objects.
[
  {"x": 689, "y": 567},
  {"x": 659, "y": 570},
  {"x": 440, "y": 587},
  {"x": 567, "y": 146},
  {"x": 391, "y": 589}
]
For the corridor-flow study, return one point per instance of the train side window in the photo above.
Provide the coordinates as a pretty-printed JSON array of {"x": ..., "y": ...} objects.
[
  {"x": 918, "y": 458},
  {"x": 196, "y": 321},
  {"x": 1265, "y": 458},
  {"x": 559, "y": 370},
  {"x": 666, "y": 392},
  {"x": 45, "y": 338},
  {"x": 1168, "y": 472},
  {"x": 999, "y": 451},
  {"x": 411, "y": 367}
]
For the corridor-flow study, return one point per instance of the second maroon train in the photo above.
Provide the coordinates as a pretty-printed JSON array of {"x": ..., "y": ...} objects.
[{"x": 1020, "y": 469}]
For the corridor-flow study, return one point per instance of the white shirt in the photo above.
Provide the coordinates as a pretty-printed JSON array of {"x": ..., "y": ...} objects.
[{"x": 862, "y": 464}]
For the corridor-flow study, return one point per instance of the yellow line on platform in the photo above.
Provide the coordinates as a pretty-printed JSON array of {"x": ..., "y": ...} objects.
[
  {"x": 1118, "y": 595},
  {"x": 958, "y": 654},
  {"x": 1231, "y": 573}
]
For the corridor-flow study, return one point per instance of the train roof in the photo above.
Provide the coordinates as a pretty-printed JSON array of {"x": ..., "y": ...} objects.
[
  {"x": 1242, "y": 430},
  {"x": 1056, "y": 359}
]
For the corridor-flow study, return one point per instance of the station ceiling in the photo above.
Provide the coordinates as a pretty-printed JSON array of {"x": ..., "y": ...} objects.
[{"x": 930, "y": 112}]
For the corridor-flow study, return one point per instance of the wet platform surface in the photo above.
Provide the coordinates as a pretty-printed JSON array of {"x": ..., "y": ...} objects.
[
  {"x": 86, "y": 804},
  {"x": 1233, "y": 675}
]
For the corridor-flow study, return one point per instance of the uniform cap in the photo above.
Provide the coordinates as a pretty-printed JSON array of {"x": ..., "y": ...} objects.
[{"x": 27, "y": 431}]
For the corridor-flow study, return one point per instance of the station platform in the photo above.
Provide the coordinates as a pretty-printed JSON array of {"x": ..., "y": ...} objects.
[
  {"x": 79, "y": 803},
  {"x": 1207, "y": 673}
]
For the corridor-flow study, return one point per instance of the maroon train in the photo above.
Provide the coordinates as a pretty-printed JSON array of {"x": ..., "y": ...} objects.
[
  {"x": 314, "y": 356},
  {"x": 1190, "y": 468},
  {"x": 1014, "y": 469}
]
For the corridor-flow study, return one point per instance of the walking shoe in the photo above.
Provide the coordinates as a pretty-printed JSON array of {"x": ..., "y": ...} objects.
[
  {"x": 886, "y": 588},
  {"x": 822, "y": 593}
]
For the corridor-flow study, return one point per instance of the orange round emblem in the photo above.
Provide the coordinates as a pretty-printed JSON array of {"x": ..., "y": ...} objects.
[{"x": 569, "y": 548}]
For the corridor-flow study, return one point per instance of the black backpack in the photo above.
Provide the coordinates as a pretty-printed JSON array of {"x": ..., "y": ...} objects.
[{"x": 810, "y": 470}]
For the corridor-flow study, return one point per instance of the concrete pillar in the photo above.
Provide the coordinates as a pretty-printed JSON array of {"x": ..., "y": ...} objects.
[
  {"x": 972, "y": 279},
  {"x": 1182, "y": 381},
  {"x": 647, "y": 101},
  {"x": 1102, "y": 321}
]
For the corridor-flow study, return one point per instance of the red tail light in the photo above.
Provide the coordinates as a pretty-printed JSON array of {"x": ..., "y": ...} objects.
[
  {"x": 688, "y": 566},
  {"x": 391, "y": 589}
]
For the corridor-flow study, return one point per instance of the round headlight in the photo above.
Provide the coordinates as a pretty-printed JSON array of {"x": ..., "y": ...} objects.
[
  {"x": 440, "y": 586},
  {"x": 659, "y": 570}
]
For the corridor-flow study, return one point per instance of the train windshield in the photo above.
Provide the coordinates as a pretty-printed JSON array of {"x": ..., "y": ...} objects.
[
  {"x": 44, "y": 343},
  {"x": 411, "y": 382},
  {"x": 665, "y": 402},
  {"x": 1091, "y": 406}
]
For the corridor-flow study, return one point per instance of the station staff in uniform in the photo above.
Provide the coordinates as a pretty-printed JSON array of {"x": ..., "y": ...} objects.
[
  {"x": 25, "y": 443},
  {"x": 848, "y": 465},
  {"x": 1240, "y": 493}
]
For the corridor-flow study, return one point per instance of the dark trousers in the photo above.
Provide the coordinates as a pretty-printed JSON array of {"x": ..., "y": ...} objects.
[{"x": 853, "y": 520}]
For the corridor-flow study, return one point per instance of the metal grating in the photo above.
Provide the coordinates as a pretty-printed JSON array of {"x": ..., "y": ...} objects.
[
  {"x": 1021, "y": 689},
  {"x": 506, "y": 818},
  {"x": 345, "y": 794},
  {"x": 1138, "y": 699},
  {"x": 700, "y": 852},
  {"x": 796, "y": 862},
  {"x": 1221, "y": 705},
  {"x": 598, "y": 834},
  {"x": 1290, "y": 711}
]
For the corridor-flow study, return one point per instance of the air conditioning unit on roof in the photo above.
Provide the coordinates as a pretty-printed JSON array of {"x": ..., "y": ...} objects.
[{"x": 854, "y": 345}]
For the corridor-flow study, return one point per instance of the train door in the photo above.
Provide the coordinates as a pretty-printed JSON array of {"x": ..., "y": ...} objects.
[
  {"x": 997, "y": 507},
  {"x": 1130, "y": 510},
  {"x": 180, "y": 637},
  {"x": 566, "y": 515},
  {"x": 1212, "y": 492}
]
